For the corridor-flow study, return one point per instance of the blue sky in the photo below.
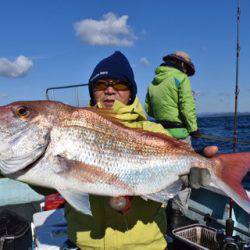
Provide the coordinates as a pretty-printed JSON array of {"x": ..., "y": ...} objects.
[{"x": 48, "y": 43}]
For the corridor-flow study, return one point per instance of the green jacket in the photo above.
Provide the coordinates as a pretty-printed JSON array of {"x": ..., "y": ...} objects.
[
  {"x": 169, "y": 98},
  {"x": 142, "y": 227}
]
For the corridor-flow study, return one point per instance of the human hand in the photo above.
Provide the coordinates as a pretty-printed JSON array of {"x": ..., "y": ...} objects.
[
  {"x": 200, "y": 177},
  {"x": 210, "y": 151}
]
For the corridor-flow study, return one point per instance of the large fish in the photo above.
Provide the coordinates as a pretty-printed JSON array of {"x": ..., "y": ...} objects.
[{"x": 80, "y": 151}]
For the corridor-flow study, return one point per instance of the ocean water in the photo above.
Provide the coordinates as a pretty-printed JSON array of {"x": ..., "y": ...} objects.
[{"x": 220, "y": 130}]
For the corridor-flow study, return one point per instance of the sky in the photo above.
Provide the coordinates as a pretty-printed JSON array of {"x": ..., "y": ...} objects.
[{"x": 47, "y": 43}]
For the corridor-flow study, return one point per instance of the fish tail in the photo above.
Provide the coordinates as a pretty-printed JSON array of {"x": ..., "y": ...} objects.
[{"x": 229, "y": 175}]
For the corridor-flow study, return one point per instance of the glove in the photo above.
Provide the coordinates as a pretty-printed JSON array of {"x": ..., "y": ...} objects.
[
  {"x": 199, "y": 177},
  {"x": 195, "y": 134}
]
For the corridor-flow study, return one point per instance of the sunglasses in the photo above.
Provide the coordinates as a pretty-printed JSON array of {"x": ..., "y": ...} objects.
[{"x": 104, "y": 84}]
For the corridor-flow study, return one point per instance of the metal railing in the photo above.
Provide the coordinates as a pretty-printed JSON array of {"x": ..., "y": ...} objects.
[{"x": 51, "y": 91}]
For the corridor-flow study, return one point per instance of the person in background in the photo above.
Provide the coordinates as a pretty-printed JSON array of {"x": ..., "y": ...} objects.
[{"x": 169, "y": 98}]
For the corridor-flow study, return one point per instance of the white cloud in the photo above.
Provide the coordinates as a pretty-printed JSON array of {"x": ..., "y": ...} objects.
[
  {"x": 111, "y": 30},
  {"x": 15, "y": 69},
  {"x": 144, "y": 61}
]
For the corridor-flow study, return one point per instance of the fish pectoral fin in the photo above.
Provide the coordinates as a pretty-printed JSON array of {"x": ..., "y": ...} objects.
[
  {"x": 165, "y": 194},
  {"x": 88, "y": 173},
  {"x": 80, "y": 201}
]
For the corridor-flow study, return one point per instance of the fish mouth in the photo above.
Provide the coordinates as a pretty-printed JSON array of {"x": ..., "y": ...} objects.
[{"x": 15, "y": 164}]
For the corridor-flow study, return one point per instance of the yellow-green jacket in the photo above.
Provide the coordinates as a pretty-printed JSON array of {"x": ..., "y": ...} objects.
[{"x": 142, "y": 227}]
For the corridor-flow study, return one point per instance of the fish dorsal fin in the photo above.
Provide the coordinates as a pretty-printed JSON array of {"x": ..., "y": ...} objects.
[
  {"x": 161, "y": 139},
  {"x": 174, "y": 142}
]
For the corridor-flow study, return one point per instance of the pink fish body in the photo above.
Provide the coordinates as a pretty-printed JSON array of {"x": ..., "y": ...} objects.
[{"x": 81, "y": 151}]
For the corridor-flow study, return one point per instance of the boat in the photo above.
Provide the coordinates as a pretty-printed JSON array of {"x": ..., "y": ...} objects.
[{"x": 211, "y": 220}]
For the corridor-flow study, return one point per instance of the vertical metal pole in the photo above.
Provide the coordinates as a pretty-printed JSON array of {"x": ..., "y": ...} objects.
[
  {"x": 229, "y": 221},
  {"x": 237, "y": 78},
  {"x": 47, "y": 94}
]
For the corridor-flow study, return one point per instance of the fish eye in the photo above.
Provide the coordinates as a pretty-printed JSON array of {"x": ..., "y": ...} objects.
[{"x": 22, "y": 112}]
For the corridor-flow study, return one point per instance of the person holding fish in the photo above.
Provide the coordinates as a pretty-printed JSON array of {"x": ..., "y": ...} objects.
[
  {"x": 139, "y": 224},
  {"x": 169, "y": 98}
]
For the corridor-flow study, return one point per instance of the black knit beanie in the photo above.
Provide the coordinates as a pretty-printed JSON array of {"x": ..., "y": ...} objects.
[{"x": 115, "y": 67}]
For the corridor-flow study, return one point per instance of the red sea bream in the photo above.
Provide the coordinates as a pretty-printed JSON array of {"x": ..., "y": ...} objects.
[{"x": 81, "y": 151}]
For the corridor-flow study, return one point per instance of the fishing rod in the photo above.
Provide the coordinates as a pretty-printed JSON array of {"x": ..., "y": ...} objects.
[
  {"x": 237, "y": 78},
  {"x": 230, "y": 221}
]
